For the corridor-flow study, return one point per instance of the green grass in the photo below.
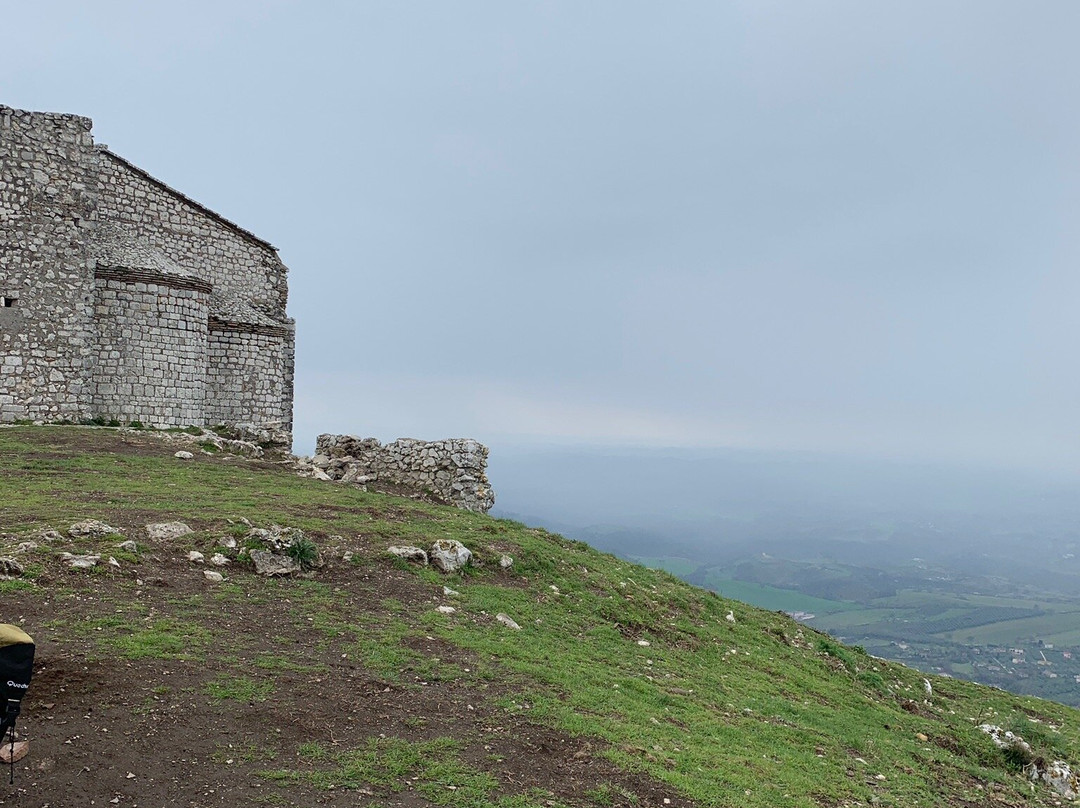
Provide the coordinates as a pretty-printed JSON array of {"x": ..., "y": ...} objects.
[
  {"x": 239, "y": 688},
  {"x": 392, "y": 765}
]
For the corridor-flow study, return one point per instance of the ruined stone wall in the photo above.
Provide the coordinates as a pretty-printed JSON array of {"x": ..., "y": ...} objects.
[
  {"x": 451, "y": 471},
  {"x": 151, "y": 352},
  {"x": 246, "y": 375},
  {"x": 48, "y": 189}
]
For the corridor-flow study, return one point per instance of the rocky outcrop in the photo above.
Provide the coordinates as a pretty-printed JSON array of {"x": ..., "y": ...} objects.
[{"x": 451, "y": 471}]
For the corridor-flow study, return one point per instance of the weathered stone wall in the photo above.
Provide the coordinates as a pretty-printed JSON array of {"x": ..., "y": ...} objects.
[
  {"x": 452, "y": 471},
  {"x": 48, "y": 189},
  {"x": 247, "y": 374},
  {"x": 238, "y": 264},
  {"x": 111, "y": 284},
  {"x": 152, "y": 353}
]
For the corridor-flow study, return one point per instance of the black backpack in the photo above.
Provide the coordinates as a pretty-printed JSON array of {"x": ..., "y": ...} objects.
[{"x": 16, "y": 667}]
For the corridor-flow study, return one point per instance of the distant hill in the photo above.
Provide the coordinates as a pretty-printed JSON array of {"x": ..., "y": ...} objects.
[{"x": 364, "y": 681}]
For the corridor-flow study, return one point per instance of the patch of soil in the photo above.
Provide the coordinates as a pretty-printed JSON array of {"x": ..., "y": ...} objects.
[{"x": 108, "y": 729}]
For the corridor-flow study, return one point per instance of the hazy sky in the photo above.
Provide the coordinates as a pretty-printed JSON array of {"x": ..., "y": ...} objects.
[{"x": 840, "y": 226}]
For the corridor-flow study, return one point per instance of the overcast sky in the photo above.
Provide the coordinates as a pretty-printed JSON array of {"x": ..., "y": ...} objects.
[{"x": 837, "y": 226}]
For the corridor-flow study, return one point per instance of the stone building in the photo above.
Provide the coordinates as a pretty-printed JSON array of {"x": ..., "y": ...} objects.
[{"x": 122, "y": 299}]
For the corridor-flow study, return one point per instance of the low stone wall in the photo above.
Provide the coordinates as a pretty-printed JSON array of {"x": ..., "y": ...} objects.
[{"x": 452, "y": 471}]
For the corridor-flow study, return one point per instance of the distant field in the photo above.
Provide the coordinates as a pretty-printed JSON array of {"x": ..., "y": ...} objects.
[
  {"x": 769, "y": 597},
  {"x": 1062, "y": 628}
]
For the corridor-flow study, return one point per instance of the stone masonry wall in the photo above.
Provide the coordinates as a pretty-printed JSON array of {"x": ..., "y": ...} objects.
[
  {"x": 453, "y": 471},
  {"x": 239, "y": 266},
  {"x": 152, "y": 353},
  {"x": 237, "y": 263},
  {"x": 246, "y": 376},
  {"x": 48, "y": 189}
]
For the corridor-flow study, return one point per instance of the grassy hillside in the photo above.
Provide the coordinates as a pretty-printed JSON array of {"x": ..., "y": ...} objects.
[{"x": 623, "y": 687}]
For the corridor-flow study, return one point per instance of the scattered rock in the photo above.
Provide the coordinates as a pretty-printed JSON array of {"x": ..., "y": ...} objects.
[
  {"x": 26, "y": 547},
  {"x": 167, "y": 531},
  {"x": 218, "y": 560},
  {"x": 13, "y": 753},
  {"x": 450, "y": 555},
  {"x": 113, "y": 562},
  {"x": 182, "y": 455},
  {"x": 267, "y": 563},
  {"x": 51, "y": 535},
  {"x": 82, "y": 562},
  {"x": 91, "y": 529},
  {"x": 445, "y": 609},
  {"x": 229, "y": 542},
  {"x": 1059, "y": 776},
  {"x": 1003, "y": 738},
  {"x": 211, "y": 575},
  {"x": 506, "y": 562},
  {"x": 10, "y": 568},
  {"x": 276, "y": 538},
  {"x": 453, "y": 593},
  {"x": 507, "y": 621},
  {"x": 644, "y": 643},
  {"x": 196, "y": 556},
  {"x": 409, "y": 553},
  {"x": 128, "y": 546},
  {"x": 347, "y": 556}
]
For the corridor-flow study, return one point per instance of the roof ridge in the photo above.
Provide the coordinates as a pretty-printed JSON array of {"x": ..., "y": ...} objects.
[{"x": 103, "y": 149}]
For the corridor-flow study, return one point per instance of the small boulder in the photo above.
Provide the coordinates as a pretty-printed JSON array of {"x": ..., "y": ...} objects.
[
  {"x": 215, "y": 577},
  {"x": 196, "y": 557},
  {"x": 91, "y": 529},
  {"x": 409, "y": 553},
  {"x": 507, "y": 621},
  {"x": 10, "y": 568},
  {"x": 267, "y": 563},
  {"x": 218, "y": 560},
  {"x": 26, "y": 547},
  {"x": 80, "y": 562},
  {"x": 167, "y": 531},
  {"x": 450, "y": 593},
  {"x": 113, "y": 562},
  {"x": 445, "y": 609},
  {"x": 506, "y": 562},
  {"x": 182, "y": 455},
  {"x": 128, "y": 546},
  {"x": 450, "y": 555}
]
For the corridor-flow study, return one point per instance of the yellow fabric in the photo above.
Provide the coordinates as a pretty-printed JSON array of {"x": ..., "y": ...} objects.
[{"x": 13, "y": 635}]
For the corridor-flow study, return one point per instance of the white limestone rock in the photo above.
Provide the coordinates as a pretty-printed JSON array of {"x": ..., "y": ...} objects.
[
  {"x": 445, "y": 609},
  {"x": 10, "y": 568},
  {"x": 91, "y": 529},
  {"x": 214, "y": 577},
  {"x": 507, "y": 621},
  {"x": 1059, "y": 776},
  {"x": 506, "y": 562},
  {"x": 80, "y": 562},
  {"x": 267, "y": 563},
  {"x": 450, "y": 555},
  {"x": 167, "y": 531},
  {"x": 183, "y": 455},
  {"x": 128, "y": 546},
  {"x": 409, "y": 553},
  {"x": 195, "y": 557},
  {"x": 218, "y": 560}
]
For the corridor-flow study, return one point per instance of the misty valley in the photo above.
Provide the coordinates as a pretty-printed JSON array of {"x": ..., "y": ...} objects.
[{"x": 958, "y": 572}]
